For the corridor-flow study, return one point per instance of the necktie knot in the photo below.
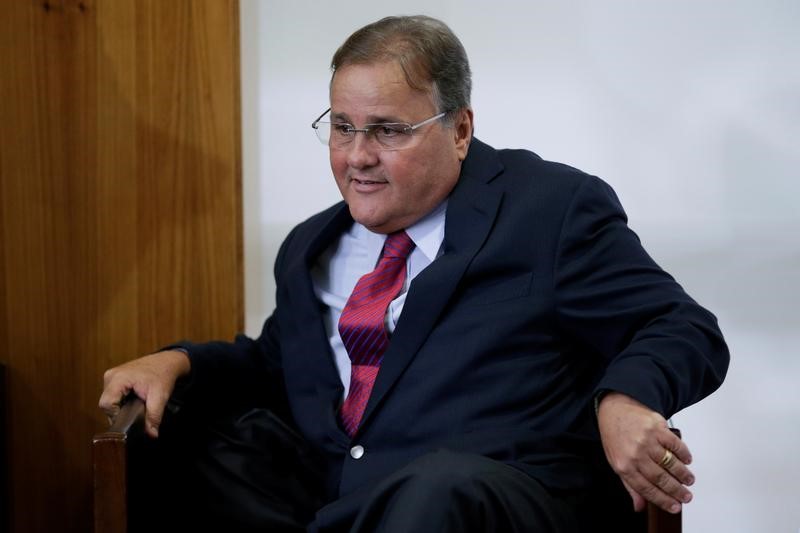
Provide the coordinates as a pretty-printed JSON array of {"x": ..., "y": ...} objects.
[{"x": 398, "y": 245}]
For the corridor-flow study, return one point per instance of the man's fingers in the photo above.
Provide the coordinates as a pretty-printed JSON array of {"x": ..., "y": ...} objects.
[
  {"x": 648, "y": 457},
  {"x": 674, "y": 458},
  {"x": 674, "y": 444},
  {"x": 151, "y": 378},
  {"x": 661, "y": 485},
  {"x": 658, "y": 492},
  {"x": 669, "y": 462},
  {"x": 660, "y": 476},
  {"x": 155, "y": 403},
  {"x": 111, "y": 398},
  {"x": 657, "y": 488},
  {"x": 108, "y": 405},
  {"x": 638, "y": 501}
]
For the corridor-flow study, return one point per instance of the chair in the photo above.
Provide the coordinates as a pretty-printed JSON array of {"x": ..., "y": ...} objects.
[
  {"x": 119, "y": 452},
  {"x": 113, "y": 452},
  {"x": 3, "y": 457}
]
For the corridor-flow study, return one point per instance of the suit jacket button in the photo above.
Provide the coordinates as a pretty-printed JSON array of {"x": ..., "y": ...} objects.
[{"x": 357, "y": 452}]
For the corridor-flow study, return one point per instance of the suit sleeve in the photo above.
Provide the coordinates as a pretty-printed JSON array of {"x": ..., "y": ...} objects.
[{"x": 659, "y": 345}]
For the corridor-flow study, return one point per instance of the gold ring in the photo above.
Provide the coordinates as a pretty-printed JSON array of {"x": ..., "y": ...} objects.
[{"x": 667, "y": 460}]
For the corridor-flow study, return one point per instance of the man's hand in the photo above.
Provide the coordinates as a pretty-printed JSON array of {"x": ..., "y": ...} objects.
[
  {"x": 152, "y": 378},
  {"x": 641, "y": 449}
]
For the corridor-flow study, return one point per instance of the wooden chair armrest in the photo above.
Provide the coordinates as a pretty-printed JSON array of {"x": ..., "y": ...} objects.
[
  {"x": 4, "y": 465},
  {"x": 110, "y": 467},
  {"x": 660, "y": 521}
]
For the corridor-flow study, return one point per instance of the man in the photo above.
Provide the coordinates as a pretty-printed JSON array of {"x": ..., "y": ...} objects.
[{"x": 453, "y": 345}]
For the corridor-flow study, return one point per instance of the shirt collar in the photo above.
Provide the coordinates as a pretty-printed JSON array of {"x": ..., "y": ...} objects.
[{"x": 427, "y": 234}]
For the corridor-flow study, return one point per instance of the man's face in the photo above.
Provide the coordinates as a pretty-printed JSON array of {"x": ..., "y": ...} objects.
[{"x": 390, "y": 190}]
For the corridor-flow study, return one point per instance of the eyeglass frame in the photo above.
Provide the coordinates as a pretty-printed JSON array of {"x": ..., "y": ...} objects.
[{"x": 369, "y": 127}]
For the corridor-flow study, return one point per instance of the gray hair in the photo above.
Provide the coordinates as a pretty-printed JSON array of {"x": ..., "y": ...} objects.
[{"x": 430, "y": 55}]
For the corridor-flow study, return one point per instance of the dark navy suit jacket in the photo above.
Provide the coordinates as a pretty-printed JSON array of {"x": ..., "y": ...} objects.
[{"x": 543, "y": 298}]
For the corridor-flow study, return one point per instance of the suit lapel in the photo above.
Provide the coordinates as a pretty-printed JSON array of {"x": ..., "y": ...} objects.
[
  {"x": 334, "y": 222},
  {"x": 471, "y": 210},
  {"x": 307, "y": 315}
]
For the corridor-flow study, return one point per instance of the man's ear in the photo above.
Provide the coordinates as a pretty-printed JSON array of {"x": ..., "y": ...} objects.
[{"x": 462, "y": 129}]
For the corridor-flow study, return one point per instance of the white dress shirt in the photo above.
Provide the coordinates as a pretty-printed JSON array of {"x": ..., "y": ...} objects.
[{"x": 357, "y": 252}]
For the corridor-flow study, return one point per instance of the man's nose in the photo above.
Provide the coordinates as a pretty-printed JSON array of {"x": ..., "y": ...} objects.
[{"x": 362, "y": 152}]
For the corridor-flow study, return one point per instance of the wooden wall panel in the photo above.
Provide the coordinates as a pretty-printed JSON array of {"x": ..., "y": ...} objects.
[{"x": 120, "y": 216}]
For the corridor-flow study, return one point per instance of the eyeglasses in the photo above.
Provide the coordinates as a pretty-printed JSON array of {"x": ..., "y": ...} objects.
[{"x": 387, "y": 135}]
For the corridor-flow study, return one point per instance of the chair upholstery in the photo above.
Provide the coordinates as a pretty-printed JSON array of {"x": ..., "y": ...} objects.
[{"x": 117, "y": 451}]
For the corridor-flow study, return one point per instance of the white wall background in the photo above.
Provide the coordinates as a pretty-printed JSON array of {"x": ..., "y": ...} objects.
[{"x": 690, "y": 109}]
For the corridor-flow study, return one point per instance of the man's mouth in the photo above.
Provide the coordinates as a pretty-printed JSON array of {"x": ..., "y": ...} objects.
[{"x": 367, "y": 181}]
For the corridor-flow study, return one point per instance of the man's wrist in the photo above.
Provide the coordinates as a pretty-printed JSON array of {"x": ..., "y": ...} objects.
[{"x": 597, "y": 399}]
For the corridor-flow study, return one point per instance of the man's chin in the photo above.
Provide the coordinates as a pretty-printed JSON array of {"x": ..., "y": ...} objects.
[{"x": 375, "y": 223}]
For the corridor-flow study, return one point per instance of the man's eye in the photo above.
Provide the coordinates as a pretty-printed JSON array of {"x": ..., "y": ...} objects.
[
  {"x": 342, "y": 129},
  {"x": 390, "y": 130}
]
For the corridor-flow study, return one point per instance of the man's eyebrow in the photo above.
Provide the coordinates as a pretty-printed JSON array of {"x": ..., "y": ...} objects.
[
  {"x": 386, "y": 120},
  {"x": 372, "y": 119},
  {"x": 339, "y": 117}
]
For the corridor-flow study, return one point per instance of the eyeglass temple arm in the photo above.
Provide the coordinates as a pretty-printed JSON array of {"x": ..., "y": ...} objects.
[{"x": 314, "y": 124}]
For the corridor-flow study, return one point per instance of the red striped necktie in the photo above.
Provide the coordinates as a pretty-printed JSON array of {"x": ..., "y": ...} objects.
[{"x": 362, "y": 325}]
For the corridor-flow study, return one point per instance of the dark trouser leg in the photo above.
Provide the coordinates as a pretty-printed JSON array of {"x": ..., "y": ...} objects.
[
  {"x": 251, "y": 473},
  {"x": 446, "y": 491}
]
